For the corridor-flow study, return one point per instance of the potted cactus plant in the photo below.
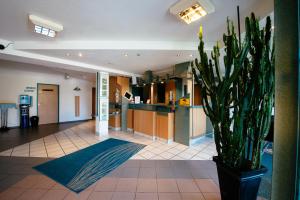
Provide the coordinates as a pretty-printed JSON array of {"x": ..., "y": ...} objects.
[{"x": 239, "y": 105}]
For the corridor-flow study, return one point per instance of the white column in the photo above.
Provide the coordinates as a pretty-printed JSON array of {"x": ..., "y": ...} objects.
[{"x": 102, "y": 99}]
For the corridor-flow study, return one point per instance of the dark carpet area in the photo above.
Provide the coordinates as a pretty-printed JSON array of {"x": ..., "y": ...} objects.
[{"x": 17, "y": 136}]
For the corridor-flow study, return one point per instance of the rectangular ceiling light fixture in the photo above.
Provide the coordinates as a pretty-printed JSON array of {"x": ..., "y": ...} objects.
[
  {"x": 45, "y": 27},
  {"x": 192, "y": 10}
]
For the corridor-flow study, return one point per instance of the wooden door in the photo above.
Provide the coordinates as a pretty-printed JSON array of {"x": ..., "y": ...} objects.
[{"x": 48, "y": 103}]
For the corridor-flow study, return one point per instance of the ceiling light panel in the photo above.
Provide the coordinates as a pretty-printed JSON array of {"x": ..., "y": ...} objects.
[
  {"x": 192, "y": 10},
  {"x": 45, "y": 27}
]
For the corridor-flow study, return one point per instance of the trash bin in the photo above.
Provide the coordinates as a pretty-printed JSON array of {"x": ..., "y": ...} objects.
[{"x": 34, "y": 120}]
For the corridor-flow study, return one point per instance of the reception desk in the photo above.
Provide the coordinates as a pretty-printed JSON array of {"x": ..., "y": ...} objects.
[
  {"x": 191, "y": 124},
  {"x": 186, "y": 125},
  {"x": 151, "y": 120}
]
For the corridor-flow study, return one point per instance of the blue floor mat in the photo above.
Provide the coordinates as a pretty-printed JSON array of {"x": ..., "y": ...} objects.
[{"x": 80, "y": 169}]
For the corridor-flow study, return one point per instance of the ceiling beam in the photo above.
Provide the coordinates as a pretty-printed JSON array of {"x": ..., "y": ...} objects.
[
  {"x": 109, "y": 45},
  {"x": 27, "y": 57}
]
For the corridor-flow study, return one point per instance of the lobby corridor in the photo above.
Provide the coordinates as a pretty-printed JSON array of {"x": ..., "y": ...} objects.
[{"x": 83, "y": 135}]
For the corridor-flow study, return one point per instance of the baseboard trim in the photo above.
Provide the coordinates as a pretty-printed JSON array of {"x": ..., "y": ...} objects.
[
  {"x": 199, "y": 138},
  {"x": 114, "y": 128},
  {"x": 168, "y": 141},
  {"x": 82, "y": 120},
  {"x": 145, "y": 135},
  {"x": 130, "y": 130}
]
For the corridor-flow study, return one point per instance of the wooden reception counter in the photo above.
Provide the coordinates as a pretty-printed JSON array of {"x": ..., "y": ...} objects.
[
  {"x": 186, "y": 125},
  {"x": 151, "y": 120}
]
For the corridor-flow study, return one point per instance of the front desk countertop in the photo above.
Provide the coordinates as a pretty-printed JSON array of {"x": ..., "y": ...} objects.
[{"x": 151, "y": 107}]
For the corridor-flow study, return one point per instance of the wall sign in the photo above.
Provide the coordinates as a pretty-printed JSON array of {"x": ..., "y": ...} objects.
[{"x": 29, "y": 89}]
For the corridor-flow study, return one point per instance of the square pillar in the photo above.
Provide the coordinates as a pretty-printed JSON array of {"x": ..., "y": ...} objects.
[
  {"x": 285, "y": 179},
  {"x": 102, "y": 103}
]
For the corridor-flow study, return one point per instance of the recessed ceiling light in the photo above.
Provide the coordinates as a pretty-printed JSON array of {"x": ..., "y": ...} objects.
[
  {"x": 191, "y": 55},
  {"x": 80, "y": 54},
  {"x": 125, "y": 54},
  {"x": 192, "y": 10},
  {"x": 44, "y": 26}
]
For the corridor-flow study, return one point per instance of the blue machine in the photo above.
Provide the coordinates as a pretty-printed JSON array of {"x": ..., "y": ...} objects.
[{"x": 25, "y": 103}]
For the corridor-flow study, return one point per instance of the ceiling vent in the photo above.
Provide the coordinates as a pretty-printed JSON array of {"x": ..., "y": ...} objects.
[
  {"x": 44, "y": 26},
  {"x": 192, "y": 10}
]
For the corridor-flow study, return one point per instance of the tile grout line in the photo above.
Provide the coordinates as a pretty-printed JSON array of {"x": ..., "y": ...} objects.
[
  {"x": 45, "y": 147},
  {"x": 59, "y": 144},
  {"x": 81, "y": 138},
  {"x": 71, "y": 140}
]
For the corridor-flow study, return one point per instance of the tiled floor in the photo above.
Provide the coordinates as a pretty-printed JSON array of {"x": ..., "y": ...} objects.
[
  {"x": 160, "y": 171},
  {"x": 83, "y": 135},
  {"x": 134, "y": 180}
]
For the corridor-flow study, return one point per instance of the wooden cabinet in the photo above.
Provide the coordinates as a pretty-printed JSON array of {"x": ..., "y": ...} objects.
[
  {"x": 165, "y": 126},
  {"x": 145, "y": 122}
]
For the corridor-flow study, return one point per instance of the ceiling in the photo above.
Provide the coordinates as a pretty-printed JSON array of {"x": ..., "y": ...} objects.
[
  {"x": 88, "y": 76},
  {"x": 104, "y": 31}
]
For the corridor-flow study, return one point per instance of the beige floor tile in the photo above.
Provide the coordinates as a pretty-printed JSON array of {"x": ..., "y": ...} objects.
[
  {"x": 146, "y": 196},
  {"x": 11, "y": 193},
  {"x": 211, "y": 196},
  {"x": 174, "y": 151},
  {"x": 167, "y": 185},
  {"x": 164, "y": 172},
  {"x": 146, "y": 172},
  {"x": 6, "y": 153},
  {"x": 27, "y": 182},
  {"x": 207, "y": 185},
  {"x": 167, "y": 155},
  {"x": 32, "y": 194},
  {"x": 44, "y": 183},
  {"x": 106, "y": 184},
  {"x": 148, "y": 154},
  {"x": 84, "y": 195},
  {"x": 157, "y": 157},
  {"x": 187, "y": 185},
  {"x": 147, "y": 185},
  {"x": 55, "y": 194},
  {"x": 126, "y": 185},
  {"x": 192, "y": 196},
  {"x": 101, "y": 196},
  {"x": 123, "y": 196},
  {"x": 169, "y": 196}
]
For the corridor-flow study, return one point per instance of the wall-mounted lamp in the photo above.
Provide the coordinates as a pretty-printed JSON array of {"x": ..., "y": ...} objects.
[{"x": 77, "y": 88}]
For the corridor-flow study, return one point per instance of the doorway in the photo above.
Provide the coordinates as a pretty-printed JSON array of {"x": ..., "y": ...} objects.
[{"x": 47, "y": 106}]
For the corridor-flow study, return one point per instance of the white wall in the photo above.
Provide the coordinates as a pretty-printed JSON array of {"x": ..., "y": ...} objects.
[{"x": 15, "y": 77}]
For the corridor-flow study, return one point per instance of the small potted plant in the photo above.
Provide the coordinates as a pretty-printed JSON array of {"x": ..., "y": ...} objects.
[{"x": 239, "y": 102}]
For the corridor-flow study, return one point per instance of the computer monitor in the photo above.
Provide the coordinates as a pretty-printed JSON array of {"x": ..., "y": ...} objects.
[{"x": 128, "y": 95}]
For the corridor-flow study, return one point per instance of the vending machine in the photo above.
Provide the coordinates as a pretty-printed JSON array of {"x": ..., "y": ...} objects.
[{"x": 25, "y": 103}]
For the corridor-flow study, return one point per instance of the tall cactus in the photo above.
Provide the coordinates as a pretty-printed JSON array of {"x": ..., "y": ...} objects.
[{"x": 239, "y": 102}]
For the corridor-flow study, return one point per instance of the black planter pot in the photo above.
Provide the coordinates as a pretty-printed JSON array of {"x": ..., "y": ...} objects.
[{"x": 235, "y": 185}]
